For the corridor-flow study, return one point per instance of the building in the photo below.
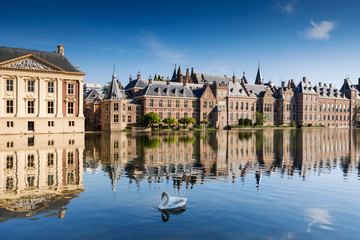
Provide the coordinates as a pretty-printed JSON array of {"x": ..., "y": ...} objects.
[
  {"x": 40, "y": 92},
  {"x": 223, "y": 100},
  {"x": 90, "y": 86}
]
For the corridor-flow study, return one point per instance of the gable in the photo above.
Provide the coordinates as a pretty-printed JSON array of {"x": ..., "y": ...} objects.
[{"x": 30, "y": 62}]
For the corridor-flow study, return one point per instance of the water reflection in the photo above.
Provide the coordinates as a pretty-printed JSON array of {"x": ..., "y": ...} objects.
[
  {"x": 165, "y": 213},
  {"x": 192, "y": 158},
  {"x": 320, "y": 217},
  {"x": 39, "y": 174}
]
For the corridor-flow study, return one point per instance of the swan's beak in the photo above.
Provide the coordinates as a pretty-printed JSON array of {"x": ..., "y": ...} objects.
[{"x": 163, "y": 195}]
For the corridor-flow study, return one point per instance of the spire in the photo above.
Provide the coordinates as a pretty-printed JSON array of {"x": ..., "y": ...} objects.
[
  {"x": 114, "y": 91},
  {"x": 174, "y": 74},
  {"x": 179, "y": 71},
  {"x": 259, "y": 80}
]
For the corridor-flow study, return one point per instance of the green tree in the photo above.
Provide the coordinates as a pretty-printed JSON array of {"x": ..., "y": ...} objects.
[
  {"x": 260, "y": 120},
  {"x": 205, "y": 122},
  {"x": 150, "y": 119},
  {"x": 187, "y": 120},
  {"x": 241, "y": 122},
  {"x": 170, "y": 120},
  {"x": 247, "y": 122},
  {"x": 105, "y": 88}
]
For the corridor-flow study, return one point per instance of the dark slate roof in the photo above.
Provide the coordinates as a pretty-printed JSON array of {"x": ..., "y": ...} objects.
[
  {"x": 327, "y": 92},
  {"x": 304, "y": 87},
  {"x": 236, "y": 90},
  {"x": 256, "y": 90},
  {"x": 7, "y": 53},
  {"x": 114, "y": 92},
  {"x": 174, "y": 74},
  {"x": 258, "y": 79},
  {"x": 164, "y": 90},
  {"x": 136, "y": 83},
  {"x": 199, "y": 92},
  {"x": 216, "y": 78},
  {"x": 92, "y": 94}
]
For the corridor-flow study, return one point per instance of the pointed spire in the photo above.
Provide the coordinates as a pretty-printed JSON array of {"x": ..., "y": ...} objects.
[
  {"x": 114, "y": 91},
  {"x": 259, "y": 80},
  {"x": 179, "y": 71},
  {"x": 174, "y": 74}
]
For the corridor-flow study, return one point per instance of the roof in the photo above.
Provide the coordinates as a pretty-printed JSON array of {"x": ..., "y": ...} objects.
[
  {"x": 256, "y": 90},
  {"x": 236, "y": 90},
  {"x": 304, "y": 87},
  {"x": 199, "y": 92},
  {"x": 216, "y": 78},
  {"x": 164, "y": 90},
  {"x": 258, "y": 79},
  {"x": 136, "y": 84},
  {"x": 8, "y": 53},
  {"x": 328, "y": 92},
  {"x": 114, "y": 92},
  {"x": 92, "y": 94}
]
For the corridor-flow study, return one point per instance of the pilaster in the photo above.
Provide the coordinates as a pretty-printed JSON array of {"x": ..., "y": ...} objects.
[
  {"x": 59, "y": 97},
  {"x": 2, "y": 91},
  {"x": 20, "y": 91},
  {"x": 41, "y": 105},
  {"x": 81, "y": 100}
]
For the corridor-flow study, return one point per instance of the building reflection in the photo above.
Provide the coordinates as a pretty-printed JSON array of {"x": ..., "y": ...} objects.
[
  {"x": 191, "y": 158},
  {"x": 39, "y": 174}
]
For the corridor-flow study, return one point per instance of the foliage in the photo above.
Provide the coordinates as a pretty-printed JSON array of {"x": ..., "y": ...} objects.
[
  {"x": 293, "y": 124},
  {"x": 187, "y": 120},
  {"x": 248, "y": 122},
  {"x": 241, "y": 122},
  {"x": 260, "y": 119},
  {"x": 150, "y": 119},
  {"x": 199, "y": 126},
  {"x": 105, "y": 88},
  {"x": 151, "y": 143},
  {"x": 170, "y": 120}
]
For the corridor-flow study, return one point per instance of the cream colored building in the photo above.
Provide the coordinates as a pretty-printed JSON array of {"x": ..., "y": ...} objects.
[{"x": 40, "y": 92}]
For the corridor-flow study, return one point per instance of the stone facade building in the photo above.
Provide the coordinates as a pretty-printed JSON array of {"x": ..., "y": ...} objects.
[
  {"x": 223, "y": 100},
  {"x": 40, "y": 92}
]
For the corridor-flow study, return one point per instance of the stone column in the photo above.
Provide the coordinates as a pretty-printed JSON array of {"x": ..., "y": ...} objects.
[
  {"x": 41, "y": 102},
  {"x": 81, "y": 98},
  {"x": 2, "y": 91},
  {"x": 20, "y": 103},
  {"x": 59, "y": 97}
]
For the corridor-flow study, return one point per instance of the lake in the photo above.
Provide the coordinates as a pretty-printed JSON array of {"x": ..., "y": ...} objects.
[{"x": 259, "y": 184}]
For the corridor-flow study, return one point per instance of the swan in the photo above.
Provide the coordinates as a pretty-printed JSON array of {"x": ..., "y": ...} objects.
[{"x": 171, "y": 202}]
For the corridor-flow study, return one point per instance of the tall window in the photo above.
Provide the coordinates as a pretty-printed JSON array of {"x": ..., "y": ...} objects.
[
  {"x": 50, "y": 158},
  {"x": 185, "y": 103},
  {"x": 31, "y": 86},
  {"x": 210, "y": 104},
  {"x": 106, "y": 107},
  {"x": 169, "y": 103},
  {"x": 231, "y": 105},
  {"x": 207, "y": 95},
  {"x": 177, "y": 103},
  {"x": 160, "y": 115},
  {"x": 204, "y": 116},
  {"x": 204, "y": 104},
  {"x": 169, "y": 115},
  {"x": 50, "y": 87},
  {"x": 9, "y": 85},
  {"x": 151, "y": 102},
  {"x": 9, "y": 162},
  {"x": 193, "y": 104},
  {"x": 31, "y": 161},
  {"x": 160, "y": 102},
  {"x": 50, "y": 107},
  {"x": 177, "y": 115},
  {"x": 30, "y": 107},
  {"x": 70, "y": 88},
  {"x": 9, "y": 106},
  {"x": 70, "y": 109},
  {"x": 185, "y": 114},
  {"x": 116, "y": 118},
  {"x": 116, "y": 106},
  {"x": 129, "y": 118}
]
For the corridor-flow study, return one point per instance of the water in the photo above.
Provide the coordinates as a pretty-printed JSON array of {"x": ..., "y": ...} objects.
[{"x": 264, "y": 184}]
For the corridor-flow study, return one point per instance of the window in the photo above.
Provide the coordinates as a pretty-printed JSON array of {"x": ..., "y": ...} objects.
[
  {"x": 231, "y": 105},
  {"x": 116, "y": 106},
  {"x": 106, "y": 118},
  {"x": 50, "y": 87},
  {"x": 210, "y": 104},
  {"x": 185, "y": 114},
  {"x": 193, "y": 104},
  {"x": 71, "y": 123},
  {"x": 50, "y": 159},
  {"x": 50, "y": 180},
  {"x": 208, "y": 95},
  {"x": 123, "y": 107},
  {"x": 129, "y": 108},
  {"x": 151, "y": 102},
  {"x": 30, "y": 107},
  {"x": 116, "y": 118},
  {"x": 169, "y": 103},
  {"x": 51, "y": 142},
  {"x": 30, "y": 126},
  {"x": 50, "y": 107},
  {"x": 177, "y": 103},
  {"x": 70, "y": 90},
  {"x": 137, "y": 108},
  {"x": 242, "y": 106},
  {"x": 185, "y": 103},
  {"x": 30, "y": 161},
  {"x": 9, "y": 162},
  {"x": 106, "y": 107},
  {"x": 177, "y": 115},
  {"x": 50, "y": 123},
  {"x": 204, "y": 104},
  {"x": 204, "y": 116},
  {"x": 123, "y": 118},
  {"x": 169, "y": 115},
  {"x": 9, "y": 85},
  {"x": 236, "y": 106},
  {"x": 246, "y": 106},
  {"x": 70, "y": 109},
  {"x": 160, "y": 102},
  {"x": 70, "y": 158},
  {"x": 10, "y": 144},
  {"x": 231, "y": 117},
  {"x": 9, "y": 106},
  {"x": 31, "y": 86},
  {"x": 9, "y": 183},
  {"x": 160, "y": 115},
  {"x": 129, "y": 118},
  {"x": 10, "y": 124}
]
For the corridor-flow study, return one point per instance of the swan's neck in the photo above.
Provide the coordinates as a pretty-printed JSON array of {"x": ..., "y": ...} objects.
[{"x": 167, "y": 198}]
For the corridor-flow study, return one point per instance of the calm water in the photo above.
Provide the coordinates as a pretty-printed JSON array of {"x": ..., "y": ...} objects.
[{"x": 265, "y": 184}]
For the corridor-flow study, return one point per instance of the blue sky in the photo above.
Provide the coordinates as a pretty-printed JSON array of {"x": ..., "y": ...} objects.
[{"x": 291, "y": 38}]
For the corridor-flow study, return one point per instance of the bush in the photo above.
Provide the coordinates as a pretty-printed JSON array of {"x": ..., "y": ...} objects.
[
  {"x": 241, "y": 122},
  {"x": 228, "y": 127},
  {"x": 247, "y": 122},
  {"x": 199, "y": 126},
  {"x": 293, "y": 124}
]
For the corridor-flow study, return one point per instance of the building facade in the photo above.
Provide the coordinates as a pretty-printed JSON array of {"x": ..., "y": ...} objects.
[{"x": 40, "y": 92}]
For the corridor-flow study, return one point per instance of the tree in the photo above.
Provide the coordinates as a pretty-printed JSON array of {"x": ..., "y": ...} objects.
[
  {"x": 105, "y": 88},
  {"x": 187, "y": 120},
  {"x": 247, "y": 122},
  {"x": 259, "y": 118},
  {"x": 170, "y": 120},
  {"x": 241, "y": 122},
  {"x": 205, "y": 122},
  {"x": 150, "y": 119}
]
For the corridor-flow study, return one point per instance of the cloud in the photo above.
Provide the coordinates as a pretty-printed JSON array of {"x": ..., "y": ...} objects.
[
  {"x": 320, "y": 31},
  {"x": 320, "y": 217},
  {"x": 287, "y": 7}
]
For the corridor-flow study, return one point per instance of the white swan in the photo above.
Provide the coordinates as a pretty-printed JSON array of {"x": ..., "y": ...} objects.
[{"x": 171, "y": 202}]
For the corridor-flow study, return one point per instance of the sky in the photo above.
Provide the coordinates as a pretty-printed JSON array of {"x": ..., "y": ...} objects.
[{"x": 290, "y": 38}]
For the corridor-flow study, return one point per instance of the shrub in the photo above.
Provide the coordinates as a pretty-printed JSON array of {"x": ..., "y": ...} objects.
[
  {"x": 293, "y": 124},
  {"x": 247, "y": 122},
  {"x": 199, "y": 126},
  {"x": 241, "y": 122}
]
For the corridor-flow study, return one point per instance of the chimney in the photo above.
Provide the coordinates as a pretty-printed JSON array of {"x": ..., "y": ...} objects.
[
  {"x": 138, "y": 75},
  {"x": 330, "y": 85},
  {"x": 320, "y": 84},
  {"x": 187, "y": 77},
  {"x": 184, "y": 83},
  {"x": 234, "y": 79},
  {"x": 60, "y": 49},
  {"x": 325, "y": 85},
  {"x": 192, "y": 71},
  {"x": 130, "y": 78},
  {"x": 304, "y": 79},
  {"x": 150, "y": 79},
  {"x": 167, "y": 82},
  {"x": 283, "y": 84}
]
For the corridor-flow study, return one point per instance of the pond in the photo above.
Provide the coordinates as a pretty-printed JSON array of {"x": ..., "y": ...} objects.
[{"x": 260, "y": 184}]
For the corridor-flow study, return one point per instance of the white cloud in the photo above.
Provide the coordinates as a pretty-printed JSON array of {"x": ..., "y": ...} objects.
[
  {"x": 320, "y": 217},
  {"x": 288, "y": 7},
  {"x": 320, "y": 31}
]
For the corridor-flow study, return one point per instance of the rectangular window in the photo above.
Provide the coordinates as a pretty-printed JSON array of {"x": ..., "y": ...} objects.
[
  {"x": 70, "y": 158},
  {"x": 50, "y": 180},
  {"x": 123, "y": 118},
  {"x": 70, "y": 109},
  {"x": 10, "y": 124},
  {"x": 30, "y": 161},
  {"x": 106, "y": 118},
  {"x": 210, "y": 104},
  {"x": 129, "y": 108},
  {"x": 185, "y": 103},
  {"x": 207, "y": 95},
  {"x": 50, "y": 107},
  {"x": 116, "y": 118},
  {"x": 71, "y": 123},
  {"x": 231, "y": 105},
  {"x": 106, "y": 107},
  {"x": 204, "y": 104},
  {"x": 9, "y": 106},
  {"x": 129, "y": 118},
  {"x": 50, "y": 123},
  {"x": 70, "y": 90},
  {"x": 9, "y": 183},
  {"x": 9, "y": 85},
  {"x": 30, "y": 107},
  {"x": 116, "y": 106},
  {"x": 177, "y": 115},
  {"x": 151, "y": 102},
  {"x": 169, "y": 103},
  {"x": 30, "y": 126},
  {"x": 161, "y": 115},
  {"x": 31, "y": 86},
  {"x": 169, "y": 115},
  {"x": 123, "y": 107},
  {"x": 193, "y": 104},
  {"x": 185, "y": 114},
  {"x": 50, "y": 88},
  {"x": 137, "y": 119},
  {"x": 50, "y": 159},
  {"x": 177, "y": 103},
  {"x": 236, "y": 106},
  {"x": 242, "y": 106},
  {"x": 204, "y": 116},
  {"x": 9, "y": 162},
  {"x": 160, "y": 102}
]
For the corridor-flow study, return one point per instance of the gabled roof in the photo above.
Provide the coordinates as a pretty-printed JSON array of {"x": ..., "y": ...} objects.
[
  {"x": 92, "y": 94},
  {"x": 136, "y": 84},
  {"x": 347, "y": 85},
  {"x": 8, "y": 53},
  {"x": 199, "y": 92},
  {"x": 236, "y": 90},
  {"x": 216, "y": 78},
  {"x": 114, "y": 92},
  {"x": 304, "y": 87},
  {"x": 164, "y": 90},
  {"x": 328, "y": 92},
  {"x": 256, "y": 90}
]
